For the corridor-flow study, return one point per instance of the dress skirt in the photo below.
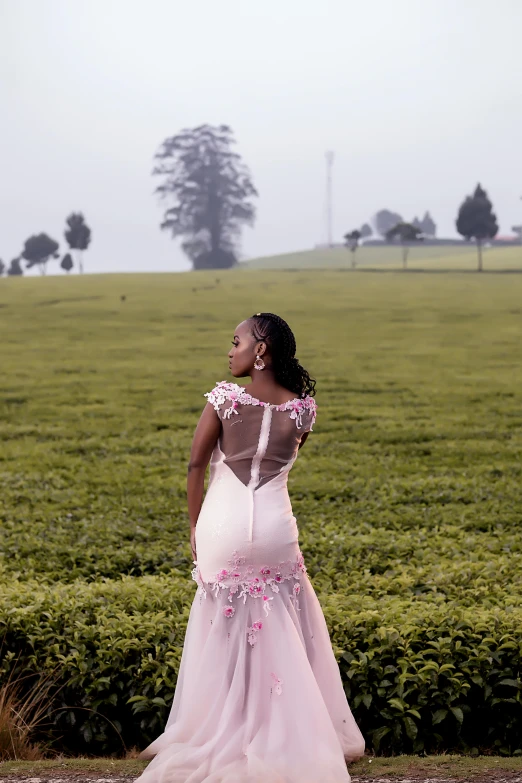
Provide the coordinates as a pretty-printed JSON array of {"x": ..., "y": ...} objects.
[{"x": 259, "y": 696}]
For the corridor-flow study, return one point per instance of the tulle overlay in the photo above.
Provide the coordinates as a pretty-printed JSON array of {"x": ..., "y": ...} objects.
[
  {"x": 257, "y": 705},
  {"x": 259, "y": 697}
]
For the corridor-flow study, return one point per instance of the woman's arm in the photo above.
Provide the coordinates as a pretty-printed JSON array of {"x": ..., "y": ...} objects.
[{"x": 205, "y": 437}]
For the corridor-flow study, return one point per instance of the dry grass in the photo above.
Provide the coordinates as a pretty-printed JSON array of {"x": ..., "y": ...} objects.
[{"x": 22, "y": 711}]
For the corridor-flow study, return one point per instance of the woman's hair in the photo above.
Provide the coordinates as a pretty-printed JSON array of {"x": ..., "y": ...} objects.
[{"x": 273, "y": 330}]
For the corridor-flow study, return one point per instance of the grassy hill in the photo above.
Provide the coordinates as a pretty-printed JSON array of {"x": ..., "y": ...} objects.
[
  {"x": 435, "y": 258},
  {"x": 408, "y": 494}
]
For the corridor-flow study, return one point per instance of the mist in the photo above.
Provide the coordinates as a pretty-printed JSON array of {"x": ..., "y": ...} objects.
[{"x": 419, "y": 102}]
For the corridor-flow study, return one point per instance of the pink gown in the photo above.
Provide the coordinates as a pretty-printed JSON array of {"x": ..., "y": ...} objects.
[{"x": 259, "y": 696}]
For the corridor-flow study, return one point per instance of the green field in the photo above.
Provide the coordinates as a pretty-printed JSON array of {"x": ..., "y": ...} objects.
[
  {"x": 433, "y": 258},
  {"x": 408, "y": 494}
]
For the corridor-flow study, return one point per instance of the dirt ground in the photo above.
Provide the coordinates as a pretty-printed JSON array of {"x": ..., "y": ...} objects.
[
  {"x": 490, "y": 776},
  {"x": 399, "y": 769}
]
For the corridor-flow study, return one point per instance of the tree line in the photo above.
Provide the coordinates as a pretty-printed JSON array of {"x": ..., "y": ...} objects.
[
  {"x": 475, "y": 222},
  {"x": 209, "y": 195},
  {"x": 39, "y": 249}
]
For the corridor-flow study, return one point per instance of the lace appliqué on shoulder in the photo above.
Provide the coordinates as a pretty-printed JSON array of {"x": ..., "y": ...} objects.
[
  {"x": 219, "y": 394},
  {"x": 227, "y": 390}
]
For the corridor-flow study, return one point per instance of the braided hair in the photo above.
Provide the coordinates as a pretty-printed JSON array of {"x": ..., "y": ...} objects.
[{"x": 273, "y": 330}]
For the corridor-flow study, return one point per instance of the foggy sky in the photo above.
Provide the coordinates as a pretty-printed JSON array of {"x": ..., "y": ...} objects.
[{"x": 419, "y": 99}]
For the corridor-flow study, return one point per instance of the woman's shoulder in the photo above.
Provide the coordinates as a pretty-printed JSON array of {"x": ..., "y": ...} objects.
[
  {"x": 224, "y": 390},
  {"x": 309, "y": 402},
  {"x": 228, "y": 390},
  {"x": 221, "y": 392},
  {"x": 305, "y": 411}
]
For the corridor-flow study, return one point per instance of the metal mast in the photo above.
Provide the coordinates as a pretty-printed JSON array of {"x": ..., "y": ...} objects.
[{"x": 329, "y": 198}]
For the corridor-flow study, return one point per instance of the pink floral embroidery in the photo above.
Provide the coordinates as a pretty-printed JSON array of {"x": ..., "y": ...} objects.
[
  {"x": 227, "y": 390},
  {"x": 296, "y": 591},
  {"x": 266, "y": 604},
  {"x": 278, "y": 684},
  {"x": 256, "y": 587},
  {"x": 252, "y": 632},
  {"x": 232, "y": 591},
  {"x": 300, "y": 566},
  {"x": 240, "y": 581},
  {"x": 196, "y": 576},
  {"x": 236, "y": 559}
]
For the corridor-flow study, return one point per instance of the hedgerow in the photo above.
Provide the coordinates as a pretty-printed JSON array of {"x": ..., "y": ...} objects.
[{"x": 408, "y": 494}]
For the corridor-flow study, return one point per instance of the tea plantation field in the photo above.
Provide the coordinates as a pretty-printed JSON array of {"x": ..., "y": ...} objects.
[
  {"x": 408, "y": 494},
  {"x": 461, "y": 257}
]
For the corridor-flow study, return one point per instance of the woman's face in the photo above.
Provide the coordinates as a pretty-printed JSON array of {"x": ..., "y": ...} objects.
[{"x": 245, "y": 347}]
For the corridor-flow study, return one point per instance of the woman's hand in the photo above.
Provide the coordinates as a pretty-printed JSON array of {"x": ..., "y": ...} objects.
[{"x": 193, "y": 542}]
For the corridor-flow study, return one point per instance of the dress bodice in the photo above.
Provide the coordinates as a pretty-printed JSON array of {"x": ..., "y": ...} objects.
[{"x": 259, "y": 439}]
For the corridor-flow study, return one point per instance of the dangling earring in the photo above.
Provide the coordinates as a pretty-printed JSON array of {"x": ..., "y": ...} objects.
[{"x": 259, "y": 366}]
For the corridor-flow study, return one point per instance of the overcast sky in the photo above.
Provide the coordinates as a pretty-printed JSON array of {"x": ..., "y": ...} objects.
[{"x": 419, "y": 99}]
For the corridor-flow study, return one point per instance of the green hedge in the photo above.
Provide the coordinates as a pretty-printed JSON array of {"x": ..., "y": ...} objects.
[
  {"x": 419, "y": 676},
  {"x": 408, "y": 495}
]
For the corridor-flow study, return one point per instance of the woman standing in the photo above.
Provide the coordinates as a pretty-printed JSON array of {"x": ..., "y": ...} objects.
[{"x": 259, "y": 695}]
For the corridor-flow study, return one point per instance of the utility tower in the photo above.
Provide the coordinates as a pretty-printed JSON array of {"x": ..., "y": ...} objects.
[{"x": 329, "y": 198}]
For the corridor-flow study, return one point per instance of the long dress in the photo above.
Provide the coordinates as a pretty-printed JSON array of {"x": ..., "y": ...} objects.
[{"x": 259, "y": 696}]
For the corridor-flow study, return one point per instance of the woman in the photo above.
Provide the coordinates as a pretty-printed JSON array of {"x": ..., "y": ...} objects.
[{"x": 259, "y": 695}]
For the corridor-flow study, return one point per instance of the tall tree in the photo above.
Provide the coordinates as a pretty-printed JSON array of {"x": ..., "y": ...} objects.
[
  {"x": 2, "y": 267},
  {"x": 428, "y": 225},
  {"x": 15, "y": 268},
  {"x": 385, "y": 221},
  {"x": 211, "y": 191},
  {"x": 37, "y": 251},
  {"x": 67, "y": 262},
  {"x": 476, "y": 220},
  {"x": 78, "y": 236},
  {"x": 352, "y": 240},
  {"x": 417, "y": 223},
  {"x": 366, "y": 231},
  {"x": 407, "y": 233}
]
